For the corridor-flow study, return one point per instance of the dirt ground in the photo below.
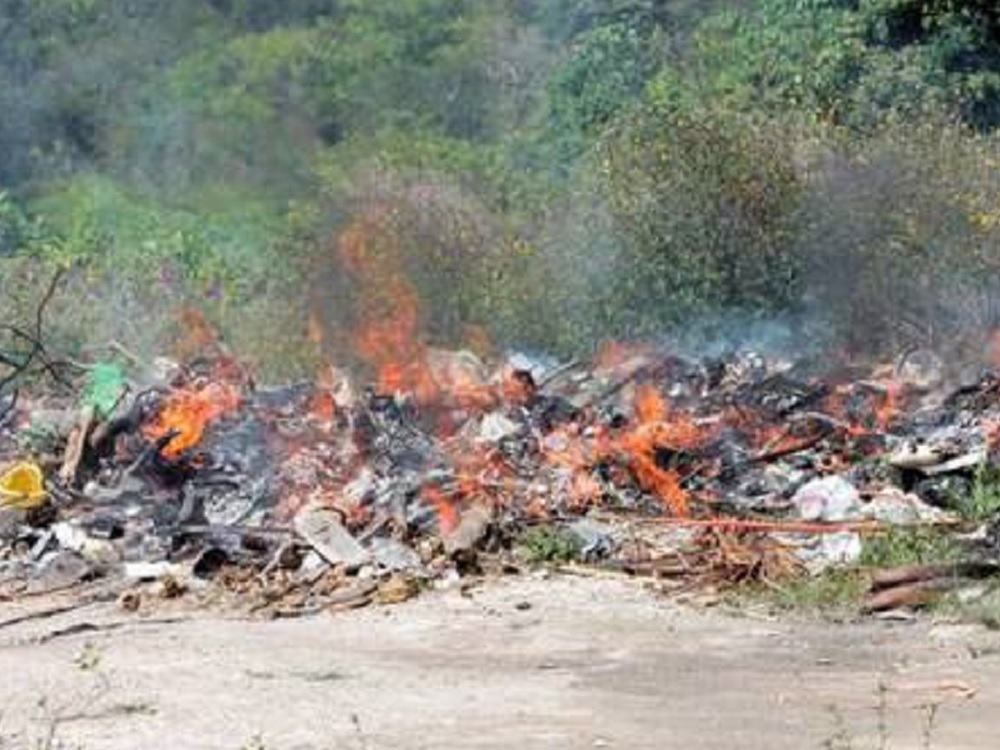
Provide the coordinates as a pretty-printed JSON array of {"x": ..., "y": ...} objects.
[{"x": 564, "y": 662}]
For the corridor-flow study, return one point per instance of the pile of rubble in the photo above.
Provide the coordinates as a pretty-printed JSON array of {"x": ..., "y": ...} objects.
[{"x": 193, "y": 479}]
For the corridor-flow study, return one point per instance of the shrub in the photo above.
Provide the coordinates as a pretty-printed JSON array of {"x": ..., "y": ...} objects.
[{"x": 701, "y": 202}]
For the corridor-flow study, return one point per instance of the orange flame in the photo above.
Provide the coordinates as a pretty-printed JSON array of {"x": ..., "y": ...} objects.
[
  {"x": 659, "y": 427},
  {"x": 388, "y": 339},
  {"x": 187, "y": 412},
  {"x": 882, "y": 408},
  {"x": 447, "y": 512},
  {"x": 888, "y": 407},
  {"x": 389, "y": 335}
]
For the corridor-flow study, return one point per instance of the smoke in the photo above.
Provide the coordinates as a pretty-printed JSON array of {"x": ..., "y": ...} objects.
[
  {"x": 897, "y": 239},
  {"x": 214, "y": 153}
]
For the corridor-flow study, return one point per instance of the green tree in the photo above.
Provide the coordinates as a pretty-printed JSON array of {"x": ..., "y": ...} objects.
[
  {"x": 705, "y": 204},
  {"x": 854, "y": 63}
]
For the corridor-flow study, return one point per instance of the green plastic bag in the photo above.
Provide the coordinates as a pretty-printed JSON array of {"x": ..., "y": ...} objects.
[{"x": 105, "y": 386}]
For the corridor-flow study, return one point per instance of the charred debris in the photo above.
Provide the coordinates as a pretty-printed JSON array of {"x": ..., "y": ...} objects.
[{"x": 191, "y": 481}]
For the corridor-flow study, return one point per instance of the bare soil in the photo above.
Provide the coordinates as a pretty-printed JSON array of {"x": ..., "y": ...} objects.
[{"x": 564, "y": 662}]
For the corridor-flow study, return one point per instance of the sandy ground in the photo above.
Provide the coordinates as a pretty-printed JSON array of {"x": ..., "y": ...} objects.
[{"x": 567, "y": 662}]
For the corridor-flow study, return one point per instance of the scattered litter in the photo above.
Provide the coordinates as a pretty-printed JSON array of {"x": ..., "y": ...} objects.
[
  {"x": 828, "y": 499},
  {"x": 321, "y": 528},
  {"x": 895, "y": 507},
  {"x": 296, "y": 499},
  {"x": 821, "y": 552},
  {"x": 22, "y": 486}
]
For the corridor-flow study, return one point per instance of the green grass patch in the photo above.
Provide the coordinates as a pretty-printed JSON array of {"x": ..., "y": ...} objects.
[
  {"x": 984, "y": 502},
  {"x": 834, "y": 594},
  {"x": 549, "y": 544},
  {"x": 838, "y": 593},
  {"x": 922, "y": 545}
]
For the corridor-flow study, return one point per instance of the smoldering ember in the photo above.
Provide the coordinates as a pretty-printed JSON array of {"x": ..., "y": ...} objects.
[{"x": 148, "y": 481}]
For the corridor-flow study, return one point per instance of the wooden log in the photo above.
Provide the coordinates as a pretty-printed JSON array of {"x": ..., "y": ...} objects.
[
  {"x": 886, "y": 578},
  {"x": 918, "y": 594}
]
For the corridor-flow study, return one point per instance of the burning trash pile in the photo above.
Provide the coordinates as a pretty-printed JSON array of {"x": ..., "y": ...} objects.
[{"x": 194, "y": 479}]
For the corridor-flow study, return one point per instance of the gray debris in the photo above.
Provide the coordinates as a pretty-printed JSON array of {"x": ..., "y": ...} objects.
[
  {"x": 322, "y": 530},
  {"x": 893, "y": 506},
  {"x": 596, "y": 539},
  {"x": 961, "y": 463},
  {"x": 58, "y": 571},
  {"x": 393, "y": 555},
  {"x": 471, "y": 530}
]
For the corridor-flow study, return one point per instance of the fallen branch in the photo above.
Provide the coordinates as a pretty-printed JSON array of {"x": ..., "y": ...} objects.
[
  {"x": 891, "y": 577},
  {"x": 918, "y": 594}
]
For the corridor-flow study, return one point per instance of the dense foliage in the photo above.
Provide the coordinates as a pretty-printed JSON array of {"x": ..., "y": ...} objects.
[{"x": 553, "y": 173}]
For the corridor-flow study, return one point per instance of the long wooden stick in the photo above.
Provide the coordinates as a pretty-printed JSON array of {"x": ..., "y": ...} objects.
[{"x": 750, "y": 524}]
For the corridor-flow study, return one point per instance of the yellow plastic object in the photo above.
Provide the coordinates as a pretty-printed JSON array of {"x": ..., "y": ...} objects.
[{"x": 22, "y": 486}]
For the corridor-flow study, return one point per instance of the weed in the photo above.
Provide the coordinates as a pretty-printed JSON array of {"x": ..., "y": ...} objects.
[
  {"x": 359, "y": 730},
  {"x": 89, "y": 705},
  {"x": 548, "y": 544},
  {"x": 843, "y": 738},
  {"x": 329, "y": 675},
  {"x": 835, "y": 593},
  {"x": 882, "y": 714},
  {"x": 930, "y": 724},
  {"x": 984, "y": 501},
  {"x": 909, "y": 546}
]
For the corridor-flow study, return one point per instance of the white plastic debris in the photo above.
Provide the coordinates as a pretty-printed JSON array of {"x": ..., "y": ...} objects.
[
  {"x": 538, "y": 365},
  {"x": 150, "y": 571},
  {"x": 914, "y": 456},
  {"x": 826, "y": 551},
  {"x": 828, "y": 499},
  {"x": 69, "y": 536},
  {"x": 456, "y": 368},
  {"x": 921, "y": 369},
  {"x": 494, "y": 427}
]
